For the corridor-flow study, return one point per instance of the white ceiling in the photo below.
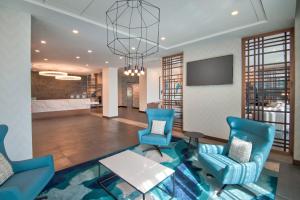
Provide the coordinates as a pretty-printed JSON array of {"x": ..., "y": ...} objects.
[{"x": 182, "y": 23}]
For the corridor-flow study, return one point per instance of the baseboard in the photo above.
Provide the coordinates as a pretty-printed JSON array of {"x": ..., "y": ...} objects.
[
  {"x": 216, "y": 139},
  {"x": 110, "y": 117},
  {"x": 122, "y": 106},
  {"x": 296, "y": 162},
  {"x": 64, "y": 113}
]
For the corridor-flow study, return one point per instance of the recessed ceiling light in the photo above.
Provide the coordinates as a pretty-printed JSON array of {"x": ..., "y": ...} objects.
[
  {"x": 90, "y": 51},
  {"x": 43, "y": 42},
  {"x": 233, "y": 13},
  {"x": 75, "y": 31},
  {"x": 37, "y": 51},
  {"x": 106, "y": 62},
  {"x": 77, "y": 57},
  {"x": 121, "y": 57},
  {"x": 45, "y": 59},
  {"x": 133, "y": 48},
  {"x": 86, "y": 65},
  {"x": 163, "y": 38}
]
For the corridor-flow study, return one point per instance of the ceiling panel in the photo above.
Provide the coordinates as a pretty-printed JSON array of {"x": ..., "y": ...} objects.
[{"x": 75, "y": 7}]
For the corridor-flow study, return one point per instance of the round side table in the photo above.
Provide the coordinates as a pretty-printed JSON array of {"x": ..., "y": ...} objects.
[{"x": 193, "y": 136}]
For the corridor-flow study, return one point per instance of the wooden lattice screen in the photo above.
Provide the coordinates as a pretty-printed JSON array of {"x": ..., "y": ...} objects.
[
  {"x": 172, "y": 86},
  {"x": 268, "y": 83}
]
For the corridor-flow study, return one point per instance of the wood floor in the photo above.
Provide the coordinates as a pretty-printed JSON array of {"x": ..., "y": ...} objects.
[{"x": 77, "y": 139}]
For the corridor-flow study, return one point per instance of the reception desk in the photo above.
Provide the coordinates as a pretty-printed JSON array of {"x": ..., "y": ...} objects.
[{"x": 57, "y": 105}]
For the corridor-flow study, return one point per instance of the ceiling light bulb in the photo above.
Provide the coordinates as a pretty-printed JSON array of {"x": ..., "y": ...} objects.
[
  {"x": 75, "y": 31},
  {"x": 106, "y": 62},
  {"x": 45, "y": 59},
  {"x": 86, "y": 65},
  {"x": 233, "y": 13},
  {"x": 43, "y": 42},
  {"x": 90, "y": 51},
  {"x": 121, "y": 57},
  {"x": 136, "y": 71},
  {"x": 138, "y": 74},
  {"x": 142, "y": 72},
  {"x": 37, "y": 51},
  {"x": 132, "y": 74},
  {"x": 129, "y": 71},
  {"x": 77, "y": 57},
  {"x": 133, "y": 48},
  {"x": 163, "y": 38}
]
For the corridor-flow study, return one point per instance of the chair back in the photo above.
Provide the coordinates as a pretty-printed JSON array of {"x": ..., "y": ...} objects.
[
  {"x": 162, "y": 115},
  {"x": 260, "y": 134},
  {"x": 3, "y": 132}
]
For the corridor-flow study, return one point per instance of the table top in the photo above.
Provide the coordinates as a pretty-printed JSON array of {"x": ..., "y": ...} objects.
[
  {"x": 139, "y": 171},
  {"x": 193, "y": 134}
]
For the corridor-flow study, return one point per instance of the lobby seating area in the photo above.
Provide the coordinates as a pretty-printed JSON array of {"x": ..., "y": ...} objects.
[{"x": 151, "y": 100}]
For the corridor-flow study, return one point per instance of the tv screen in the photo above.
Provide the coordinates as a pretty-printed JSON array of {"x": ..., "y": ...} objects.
[{"x": 212, "y": 71}]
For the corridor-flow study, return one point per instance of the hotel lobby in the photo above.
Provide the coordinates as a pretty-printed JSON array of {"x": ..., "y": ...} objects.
[{"x": 136, "y": 99}]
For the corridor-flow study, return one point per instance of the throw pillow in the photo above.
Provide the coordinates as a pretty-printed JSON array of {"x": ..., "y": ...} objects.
[
  {"x": 240, "y": 150},
  {"x": 158, "y": 127},
  {"x": 6, "y": 170}
]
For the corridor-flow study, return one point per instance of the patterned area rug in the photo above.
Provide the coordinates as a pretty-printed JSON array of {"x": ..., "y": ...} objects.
[{"x": 80, "y": 182}]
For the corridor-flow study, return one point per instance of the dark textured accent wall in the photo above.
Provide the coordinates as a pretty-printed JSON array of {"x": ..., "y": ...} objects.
[{"x": 45, "y": 87}]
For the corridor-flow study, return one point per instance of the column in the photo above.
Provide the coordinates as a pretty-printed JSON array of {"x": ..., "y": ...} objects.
[{"x": 110, "y": 91}]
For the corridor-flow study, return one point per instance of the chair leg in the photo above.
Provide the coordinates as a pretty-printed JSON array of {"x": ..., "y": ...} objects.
[
  {"x": 157, "y": 148},
  {"x": 221, "y": 190}
]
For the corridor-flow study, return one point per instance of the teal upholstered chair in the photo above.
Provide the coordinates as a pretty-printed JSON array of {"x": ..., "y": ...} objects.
[
  {"x": 227, "y": 171},
  {"x": 158, "y": 141},
  {"x": 30, "y": 176}
]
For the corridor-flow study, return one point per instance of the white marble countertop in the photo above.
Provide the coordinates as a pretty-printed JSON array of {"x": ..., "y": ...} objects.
[{"x": 51, "y": 105}]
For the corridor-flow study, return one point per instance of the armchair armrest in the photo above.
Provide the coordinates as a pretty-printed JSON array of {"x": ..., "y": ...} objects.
[
  {"x": 143, "y": 132},
  {"x": 10, "y": 193},
  {"x": 24, "y": 165},
  {"x": 169, "y": 136},
  {"x": 241, "y": 173},
  {"x": 210, "y": 148}
]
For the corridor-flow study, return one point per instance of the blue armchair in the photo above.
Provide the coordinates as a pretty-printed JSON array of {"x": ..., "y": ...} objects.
[
  {"x": 158, "y": 141},
  {"x": 227, "y": 171},
  {"x": 30, "y": 176}
]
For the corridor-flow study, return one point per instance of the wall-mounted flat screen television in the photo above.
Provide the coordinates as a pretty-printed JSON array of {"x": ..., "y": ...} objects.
[{"x": 212, "y": 71}]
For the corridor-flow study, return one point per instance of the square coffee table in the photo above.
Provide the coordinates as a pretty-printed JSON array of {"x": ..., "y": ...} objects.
[{"x": 138, "y": 171}]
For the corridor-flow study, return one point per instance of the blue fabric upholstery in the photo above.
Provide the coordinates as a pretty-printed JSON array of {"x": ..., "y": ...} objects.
[
  {"x": 30, "y": 176},
  {"x": 145, "y": 136},
  {"x": 227, "y": 171}
]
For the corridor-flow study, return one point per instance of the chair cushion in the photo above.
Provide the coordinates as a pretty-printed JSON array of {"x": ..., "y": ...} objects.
[
  {"x": 154, "y": 139},
  {"x": 6, "y": 170},
  {"x": 158, "y": 127},
  {"x": 215, "y": 163},
  {"x": 31, "y": 182},
  {"x": 240, "y": 150}
]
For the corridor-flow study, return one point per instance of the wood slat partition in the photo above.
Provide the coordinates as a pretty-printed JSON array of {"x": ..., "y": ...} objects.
[
  {"x": 172, "y": 94},
  {"x": 268, "y": 83}
]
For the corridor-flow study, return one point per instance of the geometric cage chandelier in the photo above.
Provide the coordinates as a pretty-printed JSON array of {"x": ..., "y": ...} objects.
[{"x": 133, "y": 32}]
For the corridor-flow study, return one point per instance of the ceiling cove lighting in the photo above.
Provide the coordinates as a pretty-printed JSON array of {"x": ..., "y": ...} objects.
[
  {"x": 75, "y": 31},
  {"x": 134, "y": 18},
  {"x": 43, "y": 42},
  {"x": 68, "y": 78},
  {"x": 52, "y": 73},
  {"x": 234, "y": 13}
]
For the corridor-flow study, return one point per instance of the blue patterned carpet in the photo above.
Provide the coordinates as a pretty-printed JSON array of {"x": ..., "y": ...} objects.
[{"x": 80, "y": 182}]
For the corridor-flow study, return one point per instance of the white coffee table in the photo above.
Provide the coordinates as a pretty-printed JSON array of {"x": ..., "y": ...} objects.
[{"x": 138, "y": 171}]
